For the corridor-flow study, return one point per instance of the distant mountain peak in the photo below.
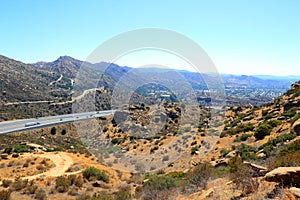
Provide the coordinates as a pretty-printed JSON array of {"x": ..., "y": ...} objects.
[{"x": 65, "y": 58}]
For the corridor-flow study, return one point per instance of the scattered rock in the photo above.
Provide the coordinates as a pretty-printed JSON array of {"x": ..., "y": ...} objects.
[
  {"x": 229, "y": 183},
  {"x": 285, "y": 175},
  {"x": 220, "y": 163},
  {"x": 295, "y": 191},
  {"x": 260, "y": 170},
  {"x": 201, "y": 195},
  {"x": 282, "y": 118},
  {"x": 231, "y": 154},
  {"x": 36, "y": 147},
  {"x": 261, "y": 155},
  {"x": 255, "y": 166},
  {"x": 146, "y": 180},
  {"x": 194, "y": 163},
  {"x": 206, "y": 194},
  {"x": 4, "y": 156},
  {"x": 296, "y": 127}
]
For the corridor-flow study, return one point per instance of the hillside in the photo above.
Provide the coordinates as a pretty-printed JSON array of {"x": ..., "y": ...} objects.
[
  {"x": 256, "y": 156},
  {"x": 23, "y": 82}
]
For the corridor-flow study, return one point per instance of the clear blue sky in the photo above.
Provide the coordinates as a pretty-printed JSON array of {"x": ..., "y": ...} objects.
[{"x": 242, "y": 37}]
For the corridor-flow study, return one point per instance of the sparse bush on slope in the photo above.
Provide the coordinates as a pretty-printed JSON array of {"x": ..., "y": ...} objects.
[
  {"x": 262, "y": 131},
  {"x": 5, "y": 195},
  {"x": 94, "y": 173}
]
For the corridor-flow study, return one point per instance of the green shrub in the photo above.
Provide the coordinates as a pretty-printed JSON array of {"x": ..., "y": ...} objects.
[
  {"x": 64, "y": 132},
  {"x": 277, "y": 140},
  {"x": 224, "y": 152},
  {"x": 198, "y": 177},
  {"x": 194, "y": 150},
  {"x": 76, "y": 180},
  {"x": 290, "y": 113},
  {"x": 234, "y": 163},
  {"x": 5, "y": 195},
  {"x": 269, "y": 116},
  {"x": 240, "y": 128},
  {"x": 94, "y": 173},
  {"x": 265, "y": 129},
  {"x": 124, "y": 193},
  {"x": 148, "y": 175},
  {"x": 160, "y": 183},
  {"x": 273, "y": 123},
  {"x": 246, "y": 152},
  {"x": 265, "y": 112},
  {"x": 20, "y": 148},
  {"x": 19, "y": 185},
  {"x": 295, "y": 118},
  {"x": 159, "y": 187},
  {"x": 41, "y": 195},
  {"x": 262, "y": 131},
  {"x": 31, "y": 187},
  {"x": 6, "y": 183},
  {"x": 285, "y": 160},
  {"x": 15, "y": 155},
  {"x": 243, "y": 137},
  {"x": 84, "y": 197},
  {"x": 293, "y": 147},
  {"x": 62, "y": 184},
  {"x": 117, "y": 140},
  {"x": 289, "y": 156},
  {"x": 242, "y": 176},
  {"x": 53, "y": 131}
]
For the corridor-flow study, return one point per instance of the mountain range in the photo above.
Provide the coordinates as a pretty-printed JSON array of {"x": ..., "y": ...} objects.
[{"x": 38, "y": 81}]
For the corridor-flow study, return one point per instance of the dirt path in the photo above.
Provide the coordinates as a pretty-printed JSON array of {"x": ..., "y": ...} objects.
[{"x": 62, "y": 163}]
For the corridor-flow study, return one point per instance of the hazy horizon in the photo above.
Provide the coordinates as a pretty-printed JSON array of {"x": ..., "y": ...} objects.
[{"x": 167, "y": 67}]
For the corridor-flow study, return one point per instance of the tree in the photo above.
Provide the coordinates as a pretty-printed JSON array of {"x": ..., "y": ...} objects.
[
  {"x": 64, "y": 132},
  {"x": 53, "y": 131}
]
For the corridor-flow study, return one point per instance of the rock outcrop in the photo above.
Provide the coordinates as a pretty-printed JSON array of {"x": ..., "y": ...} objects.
[
  {"x": 285, "y": 175},
  {"x": 296, "y": 127},
  {"x": 295, "y": 191},
  {"x": 260, "y": 170}
]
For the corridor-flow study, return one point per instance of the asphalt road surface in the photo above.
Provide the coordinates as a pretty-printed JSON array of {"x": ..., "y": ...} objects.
[{"x": 19, "y": 125}]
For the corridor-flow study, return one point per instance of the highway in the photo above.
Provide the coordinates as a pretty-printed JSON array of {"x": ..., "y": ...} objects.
[{"x": 19, "y": 125}]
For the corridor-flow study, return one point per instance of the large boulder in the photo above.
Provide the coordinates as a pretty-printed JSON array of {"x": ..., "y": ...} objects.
[
  {"x": 296, "y": 127},
  {"x": 285, "y": 175},
  {"x": 295, "y": 191}
]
